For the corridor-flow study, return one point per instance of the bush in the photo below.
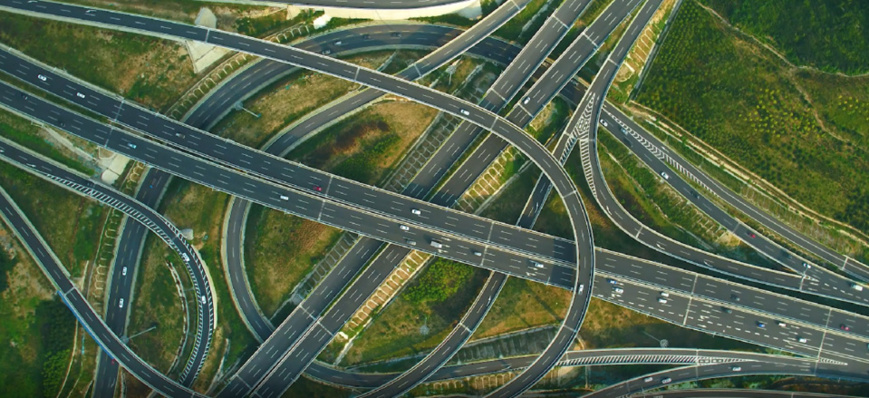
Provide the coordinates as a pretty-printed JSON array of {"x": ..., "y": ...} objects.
[{"x": 438, "y": 282}]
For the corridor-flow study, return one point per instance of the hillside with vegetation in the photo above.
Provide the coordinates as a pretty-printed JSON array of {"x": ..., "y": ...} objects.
[
  {"x": 832, "y": 35},
  {"x": 792, "y": 127}
]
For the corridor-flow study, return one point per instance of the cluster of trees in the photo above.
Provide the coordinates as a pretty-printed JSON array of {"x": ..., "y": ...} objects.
[
  {"x": 57, "y": 330},
  {"x": 438, "y": 282},
  {"x": 6, "y": 265}
]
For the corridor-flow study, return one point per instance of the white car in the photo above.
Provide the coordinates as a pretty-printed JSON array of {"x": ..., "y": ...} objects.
[
  {"x": 666, "y": 380},
  {"x": 285, "y": 197},
  {"x": 42, "y": 77},
  {"x": 185, "y": 257},
  {"x": 131, "y": 145},
  {"x": 618, "y": 290},
  {"x": 80, "y": 95},
  {"x": 803, "y": 340},
  {"x": 477, "y": 253},
  {"x": 124, "y": 271},
  {"x": 202, "y": 299},
  {"x": 782, "y": 324},
  {"x": 604, "y": 123},
  {"x": 121, "y": 303},
  {"x": 665, "y": 175},
  {"x": 535, "y": 264},
  {"x": 649, "y": 379},
  {"x": 665, "y": 294},
  {"x": 404, "y": 227},
  {"x": 464, "y": 112},
  {"x": 410, "y": 242},
  {"x": 662, "y": 300},
  {"x": 526, "y": 100},
  {"x": 415, "y": 211},
  {"x": 736, "y": 368}
]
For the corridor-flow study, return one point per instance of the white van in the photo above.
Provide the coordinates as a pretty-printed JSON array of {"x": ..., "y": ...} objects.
[{"x": 436, "y": 244}]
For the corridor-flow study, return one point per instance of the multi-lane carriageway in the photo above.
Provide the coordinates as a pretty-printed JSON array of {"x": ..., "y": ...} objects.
[
  {"x": 338, "y": 68},
  {"x": 694, "y": 301}
]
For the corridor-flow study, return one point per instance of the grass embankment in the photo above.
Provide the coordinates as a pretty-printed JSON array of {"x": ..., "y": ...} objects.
[
  {"x": 36, "y": 327},
  {"x": 286, "y": 101},
  {"x": 151, "y": 71},
  {"x": 739, "y": 98},
  {"x": 281, "y": 249},
  {"x": 68, "y": 222},
  {"x": 421, "y": 315}
]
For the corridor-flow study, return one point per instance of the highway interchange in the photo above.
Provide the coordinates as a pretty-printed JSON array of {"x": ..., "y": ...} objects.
[{"x": 552, "y": 254}]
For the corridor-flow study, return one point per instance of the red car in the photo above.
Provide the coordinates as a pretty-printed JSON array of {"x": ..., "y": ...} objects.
[
  {"x": 752, "y": 235},
  {"x": 844, "y": 327},
  {"x": 318, "y": 188}
]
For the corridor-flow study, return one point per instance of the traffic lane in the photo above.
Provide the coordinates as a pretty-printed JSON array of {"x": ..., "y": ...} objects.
[
  {"x": 106, "y": 377},
  {"x": 757, "y": 328},
  {"x": 642, "y": 298},
  {"x": 295, "y": 361},
  {"x": 469, "y": 38},
  {"x": 847, "y": 346},
  {"x": 570, "y": 61},
  {"x": 762, "y": 301},
  {"x": 517, "y": 73},
  {"x": 727, "y": 320},
  {"x": 784, "y": 309},
  {"x": 97, "y": 16},
  {"x": 298, "y": 203},
  {"x": 670, "y": 278},
  {"x": 237, "y": 278},
  {"x": 301, "y": 318},
  {"x": 265, "y": 71},
  {"x": 370, "y": 4},
  {"x": 692, "y": 373},
  {"x": 734, "y": 393},
  {"x": 315, "y": 180},
  {"x": 449, "y": 346}
]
